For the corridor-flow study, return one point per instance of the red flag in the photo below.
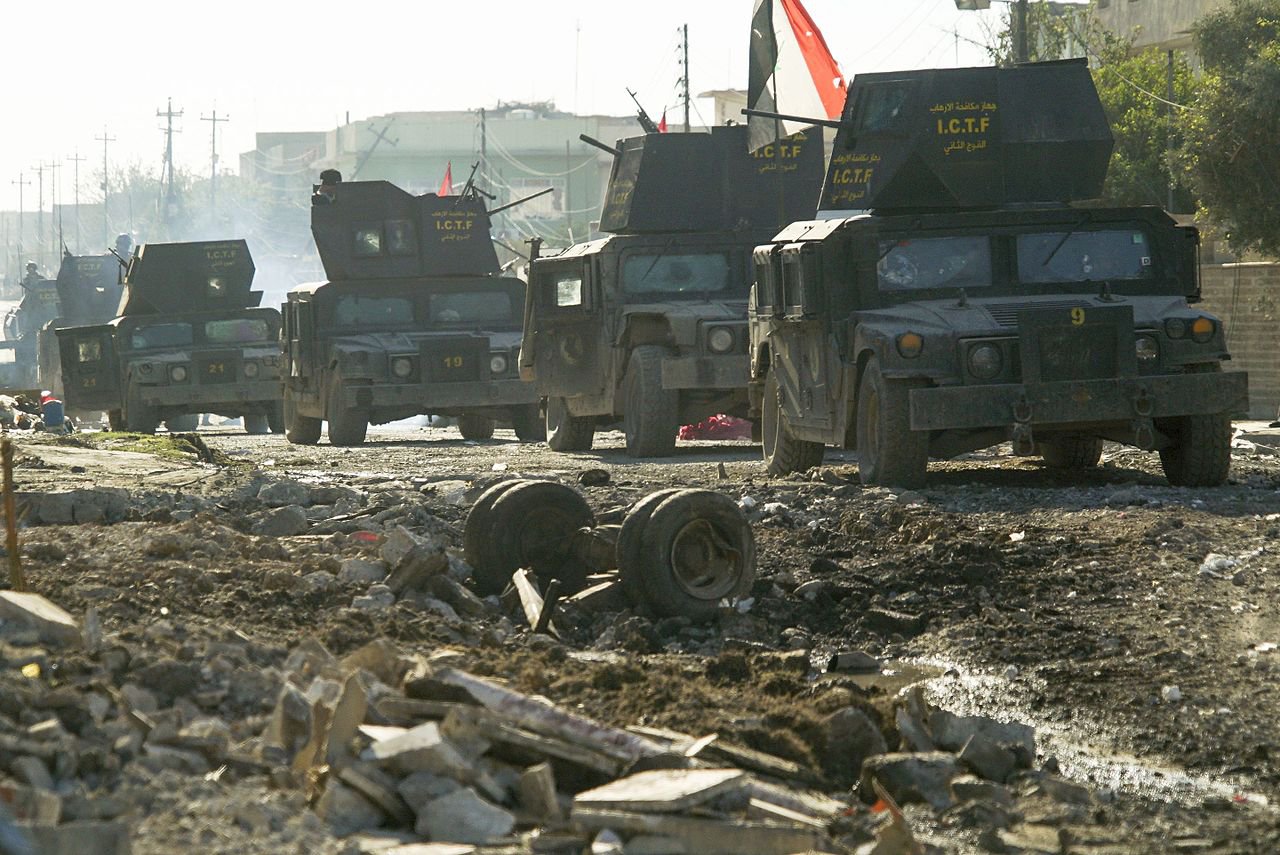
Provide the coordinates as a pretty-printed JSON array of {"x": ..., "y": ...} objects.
[
  {"x": 662, "y": 126},
  {"x": 446, "y": 186},
  {"x": 791, "y": 70}
]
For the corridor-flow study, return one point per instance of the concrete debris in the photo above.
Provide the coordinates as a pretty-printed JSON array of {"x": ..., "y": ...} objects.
[
  {"x": 50, "y": 623},
  {"x": 924, "y": 777}
]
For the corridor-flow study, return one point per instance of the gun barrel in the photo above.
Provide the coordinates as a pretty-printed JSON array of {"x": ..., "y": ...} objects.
[
  {"x": 502, "y": 208},
  {"x": 590, "y": 140},
  {"x": 809, "y": 120}
]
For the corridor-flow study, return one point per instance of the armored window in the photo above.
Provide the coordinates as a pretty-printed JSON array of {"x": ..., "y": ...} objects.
[
  {"x": 792, "y": 281},
  {"x": 356, "y": 310},
  {"x": 568, "y": 291},
  {"x": 663, "y": 274},
  {"x": 161, "y": 335},
  {"x": 216, "y": 288},
  {"x": 8, "y": 356},
  {"x": 948, "y": 262},
  {"x": 400, "y": 238},
  {"x": 87, "y": 351},
  {"x": 471, "y": 308},
  {"x": 1092, "y": 256},
  {"x": 879, "y": 105},
  {"x": 368, "y": 241},
  {"x": 237, "y": 331}
]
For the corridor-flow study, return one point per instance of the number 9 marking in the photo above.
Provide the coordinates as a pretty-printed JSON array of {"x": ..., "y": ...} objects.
[{"x": 1077, "y": 317}]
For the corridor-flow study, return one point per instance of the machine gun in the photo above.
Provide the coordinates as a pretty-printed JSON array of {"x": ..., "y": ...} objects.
[{"x": 649, "y": 125}]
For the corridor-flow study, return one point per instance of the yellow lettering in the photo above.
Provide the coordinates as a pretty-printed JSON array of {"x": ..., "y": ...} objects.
[{"x": 1077, "y": 316}]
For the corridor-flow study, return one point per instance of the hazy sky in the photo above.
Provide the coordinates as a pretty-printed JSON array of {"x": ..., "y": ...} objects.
[{"x": 72, "y": 68}]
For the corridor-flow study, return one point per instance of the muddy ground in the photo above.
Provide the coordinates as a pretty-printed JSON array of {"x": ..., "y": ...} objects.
[{"x": 1133, "y": 624}]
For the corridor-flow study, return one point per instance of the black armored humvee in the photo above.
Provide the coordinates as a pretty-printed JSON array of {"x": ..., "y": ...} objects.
[
  {"x": 19, "y": 349},
  {"x": 189, "y": 338},
  {"x": 974, "y": 304},
  {"x": 416, "y": 318},
  {"x": 88, "y": 291},
  {"x": 650, "y": 324}
]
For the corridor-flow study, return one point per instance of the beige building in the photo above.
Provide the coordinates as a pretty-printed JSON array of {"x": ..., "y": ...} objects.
[{"x": 1164, "y": 24}]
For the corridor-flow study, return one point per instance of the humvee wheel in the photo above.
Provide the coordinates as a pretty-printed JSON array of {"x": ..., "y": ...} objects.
[
  {"x": 275, "y": 417},
  {"x": 255, "y": 424},
  {"x": 475, "y": 427},
  {"x": 138, "y": 417},
  {"x": 527, "y": 422},
  {"x": 696, "y": 549},
  {"x": 651, "y": 418},
  {"x": 477, "y": 536},
  {"x": 531, "y": 525},
  {"x": 889, "y": 452},
  {"x": 346, "y": 427},
  {"x": 567, "y": 432},
  {"x": 783, "y": 453},
  {"x": 1071, "y": 452},
  {"x": 1200, "y": 455},
  {"x": 115, "y": 420},
  {"x": 298, "y": 429},
  {"x": 631, "y": 567},
  {"x": 184, "y": 423}
]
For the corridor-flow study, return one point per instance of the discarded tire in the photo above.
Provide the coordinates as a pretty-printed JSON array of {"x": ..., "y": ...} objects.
[
  {"x": 477, "y": 537},
  {"x": 629, "y": 572},
  {"x": 529, "y": 525},
  {"x": 695, "y": 549}
]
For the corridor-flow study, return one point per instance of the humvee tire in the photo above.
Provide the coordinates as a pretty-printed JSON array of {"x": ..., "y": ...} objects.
[
  {"x": 275, "y": 417},
  {"x": 184, "y": 423},
  {"x": 1071, "y": 452},
  {"x": 477, "y": 538},
  {"x": 255, "y": 424},
  {"x": 346, "y": 427},
  {"x": 783, "y": 453},
  {"x": 696, "y": 549},
  {"x": 299, "y": 430},
  {"x": 627, "y": 553},
  {"x": 532, "y": 525},
  {"x": 1201, "y": 452},
  {"x": 527, "y": 422},
  {"x": 115, "y": 420},
  {"x": 566, "y": 432},
  {"x": 138, "y": 417},
  {"x": 651, "y": 418},
  {"x": 475, "y": 427},
  {"x": 889, "y": 452}
]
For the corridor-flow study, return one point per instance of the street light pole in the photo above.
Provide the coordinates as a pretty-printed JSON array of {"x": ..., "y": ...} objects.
[{"x": 1023, "y": 50}]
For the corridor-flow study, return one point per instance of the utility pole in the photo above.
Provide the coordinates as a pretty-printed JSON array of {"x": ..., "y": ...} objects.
[
  {"x": 484, "y": 149},
  {"x": 40, "y": 208},
  {"x": 106, "y": 186},
  {"x": 1024, "y": 51},
  {"x": 22, "y": 214},
  {"x": 57, "y": 207},
  {"x": 75, "y": 159},
  {"x": 1168, "y": 146},
  {"x": 685, "y": 79},
  {"x": 167, "y": 198},
  {"x": 380, "y": 136},
  {"x": 213, "y": 160}
]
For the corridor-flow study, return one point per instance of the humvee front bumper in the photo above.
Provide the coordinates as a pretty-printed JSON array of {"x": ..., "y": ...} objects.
[
  {"x": 187, "y": 394},
  {"x": 705, "y": 372},
  {"x": 1078, "y": 401},
  {"x": 428, "y": 396}
]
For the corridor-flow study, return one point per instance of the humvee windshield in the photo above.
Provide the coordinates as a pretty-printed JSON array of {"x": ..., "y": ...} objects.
[
  {"x": 1084, "y": 256},
  {"x": 236, "y": 331},
  {"x": 471, "y": 308},
  {"x": 945, "y": 262},
  {"x": 357, "y": 310},
  {"x": 654, "y": 273},
  {"x": 160, "y": 335}
]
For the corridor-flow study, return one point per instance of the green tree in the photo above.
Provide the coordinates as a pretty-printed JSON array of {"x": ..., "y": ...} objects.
[{"x": 1231, "y": 153}]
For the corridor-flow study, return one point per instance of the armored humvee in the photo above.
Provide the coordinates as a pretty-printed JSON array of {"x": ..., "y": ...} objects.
[
  {"x": 19, "y": 349},
  {"x": 649, "y": 325},
  {"x": 189, "y": 338},
  {"x": 974, "y": 304},
  {"x": 416, "y": 317},
  {"x": 88, "y": 291}
]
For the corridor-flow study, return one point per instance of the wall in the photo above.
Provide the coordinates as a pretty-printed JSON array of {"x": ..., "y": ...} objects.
[
  {"x": 1161, "y": 23},
  {"x": 1246, "y": 296}
]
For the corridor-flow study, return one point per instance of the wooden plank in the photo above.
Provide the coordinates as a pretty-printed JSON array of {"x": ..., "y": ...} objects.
[
  {"x": 757, "y": 809},
  {"x": 530, "y": 599},
  {"x": 663, "y": 790},
  {"x": 708, "y": 836},
  {"x": 801, "y": 801}
]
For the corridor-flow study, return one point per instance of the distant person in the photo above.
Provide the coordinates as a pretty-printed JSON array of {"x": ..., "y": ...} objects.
[
  {"x": 124, "y": 246},
  {"x": 326, "y": 192},
  {"x": 33, "y": 275}
]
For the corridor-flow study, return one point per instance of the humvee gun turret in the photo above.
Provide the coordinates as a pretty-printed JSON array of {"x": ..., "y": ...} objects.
[
  {"x": 416, "y": 317},
  {"x": 973, "y": 304},
  {"x": 188, "y": 339},
  {"x": 649, "y": 325}
]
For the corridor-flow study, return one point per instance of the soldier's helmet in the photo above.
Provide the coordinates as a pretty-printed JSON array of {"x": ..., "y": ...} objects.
[
  {"x": 123, "y": 244},
  {"x": 31, "y": 266}
]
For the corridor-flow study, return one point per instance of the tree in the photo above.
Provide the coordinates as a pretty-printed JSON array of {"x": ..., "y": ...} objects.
[{"x": 1230, "y": 153}]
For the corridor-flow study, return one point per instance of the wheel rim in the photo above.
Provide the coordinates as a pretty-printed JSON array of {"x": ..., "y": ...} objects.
[{"x": 704, "y": 563}]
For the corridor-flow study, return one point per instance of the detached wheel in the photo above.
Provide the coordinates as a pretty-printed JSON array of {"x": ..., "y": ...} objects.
[
  {"x": 299, "y": 429},
  {"x": 255, "y": 424},
  {"x": 1200, "y": 455},
  {"x": 526, "y": 421},
  {"x": 477, "y": 535},
  {"x": 627, "y": 555},
  {"x": 567, "y": 432},
  {"x": 696, "y": 549},
  {"x": 275, "y": 417},
  {"x": 783, "y": 453},
  {"x": 889, "y": 452},
  {"x": 346, "y": 426},
  {"x": 138, "y": 416},
  {"x": 531, "y": 525},
  {"x": 183, "y": 424},
  {"x": 475, "y": 427},
  {"x": 1071, "y": 452},
  {"x": 651, "y": 418}
]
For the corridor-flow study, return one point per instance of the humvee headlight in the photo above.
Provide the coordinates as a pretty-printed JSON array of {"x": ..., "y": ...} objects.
[
  {"x": 178, "y": 373},
  {"x": 1175, "y": 328},
  {"x": 720, "y": 340},
  {"x": 910, "y": 345},
  {"x": 250, "y": 370},
  {"x": 497, "y": 364},
  {"x": 401, "y": 367},
  {"x": 1146, "y": 349},
  {"x": 985, "y": 361},
  {"x": 1202, "y": 329}
]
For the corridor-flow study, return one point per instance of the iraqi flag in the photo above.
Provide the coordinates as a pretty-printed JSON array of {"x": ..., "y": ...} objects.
[
  {"x": 792, "y": 71},
  {"x": 446, "y": 186}
]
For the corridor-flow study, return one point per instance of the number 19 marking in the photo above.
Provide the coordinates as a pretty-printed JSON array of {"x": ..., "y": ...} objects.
[{"x": 1077, "y": 317}]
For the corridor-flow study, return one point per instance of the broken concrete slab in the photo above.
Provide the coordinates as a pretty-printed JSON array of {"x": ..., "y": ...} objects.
[
  {"x": 432, "y": 849},
  {"x": 663, "y": 790},
  {"x": 800, "y": 801},
  {"x": 988, "y": 758},
  {"x": 851, "y": 737},
  {"x": 537, "y": 792},
  {"x": 378, "y": 789},
  {"x": 77, "y": 838},
  {"x": 346, "y": 810},
  {"x": 968, "y": 788},
  {"x": 361, "y": 571},
  {"x": 706, "y": 836},
  {"x": 908, "y": 778},
  {"x": 420, "y": 749},
  {"x": 952, "y": 731},
  {"x": 464, "y": 817},
  {"x": 348, "y": 714},
  {"x": 759, "y": 809},
  {"x": 51, "y": 623}
]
